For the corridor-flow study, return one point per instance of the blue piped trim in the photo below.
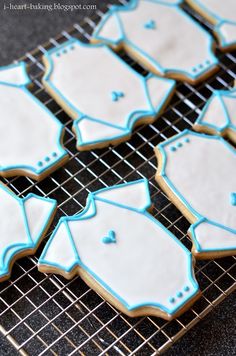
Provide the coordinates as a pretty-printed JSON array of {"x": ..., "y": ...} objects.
[
  {"x": 195, "y": 73},
  {"x": 130, "y": 120},
  {"x": 228, "y": 123},
  {"x": 53, "y": 157},
  {"x": 199, "y": 218},
  {"x": 220, "y": 21},
  {"x": 16, "y": 248},
  {"x": 92, "y": 200},
  {"x": 233, "y": 199}
]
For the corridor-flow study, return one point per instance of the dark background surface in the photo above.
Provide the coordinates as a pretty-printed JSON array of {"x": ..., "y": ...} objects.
[{"x": 22, "y": 31}]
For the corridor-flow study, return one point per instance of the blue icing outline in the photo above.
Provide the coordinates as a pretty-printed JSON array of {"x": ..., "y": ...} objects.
[
  {"x": 61, "y": 152},
  {"x": 233, "y": 198},
  {"x": 200, "y": 218},
  {"x": 220, "y": 94},
  {"x": 131, "y": 119},
  {"x": 114, "y": 10},
  {"x": 92, "y": 197},
  {"x": 16, "y": 248},
  {"x": 220, "y": 21}
]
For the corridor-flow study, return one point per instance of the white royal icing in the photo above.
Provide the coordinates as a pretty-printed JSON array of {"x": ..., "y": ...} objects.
[
  {"x": 219, "y": 112},
  {"x": 101, "y": 91},
  {"x": 29, "y": 134},
  {"x": 200, "y": 170},
  {"x": 126, "y": 250},
  {"x": 146, "y": 28},
  {"x": 23, "y": 222},
  {"x": 223, "y": 14}
]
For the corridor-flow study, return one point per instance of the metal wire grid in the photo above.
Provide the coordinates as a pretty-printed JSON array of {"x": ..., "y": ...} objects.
[{"x": 44, "y": 314}]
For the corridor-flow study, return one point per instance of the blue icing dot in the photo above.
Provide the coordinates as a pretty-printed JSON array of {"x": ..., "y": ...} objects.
[
  {"x": 40, "y": 164},
  {"x": 47, "y": 159},
  {"x": 173, "y": 148},
  {"x": 186, "y": 288},
  {"x": 179, "y": 144},
  {"x": 233, "y": 199},
  {"x": 64, "y": 51},
  {"x": 208, "y": 61},
  {"x": 194, "y": 69},
  {"x": 54, "y": 154},
  {"x": 72, "y": 47},
  {"x": 172, "y": 300},
  {"x": 179, "y": 294},
  {"x": 58, "y": 54},
  {"x": 187, "y": 140},
  {"x": 200, "y": 65}
]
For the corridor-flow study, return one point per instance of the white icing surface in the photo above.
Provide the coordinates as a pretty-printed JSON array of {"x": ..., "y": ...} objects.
[
  {"x": 230, "y": 104},
  {"x": 224, "y": 9},
  {"x": 99, "y": 72},
  {"x": 14, "y": 225},
  {"x": 213, "y": 237},
  {"x": 145, "y": 265},
  {"x": 91, "y": 131},
  {"x": 157, "y": 90},
  {"x": 220, "y": 111},
  {"x": 219, "y": 11},
  {"x": 61, "y": 250},
  {"x": 14, "y": 75},
  {"x": 37, "y": 212},
  {"x": 215, "y": 113},
  {"x": 112, "y": 30},
  {"x": 32, "y": 132},
  {"x": 170, "y": 47},
  {"x": 203, "y": 172},
  {"x": 133, "y": 195}
]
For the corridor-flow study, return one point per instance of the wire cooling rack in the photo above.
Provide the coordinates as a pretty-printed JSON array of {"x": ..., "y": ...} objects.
[{"x": 45, "y": 314}]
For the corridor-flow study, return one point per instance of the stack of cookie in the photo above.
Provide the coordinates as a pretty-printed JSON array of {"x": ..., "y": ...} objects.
[{"x": 115, "y": 244}]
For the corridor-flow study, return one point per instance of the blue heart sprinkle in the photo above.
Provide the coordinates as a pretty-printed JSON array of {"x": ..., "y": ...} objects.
[
  {"x": 233, "y": 199},
  {"x": 150, "y": 25},
  {"x": 111, "y": 238}
]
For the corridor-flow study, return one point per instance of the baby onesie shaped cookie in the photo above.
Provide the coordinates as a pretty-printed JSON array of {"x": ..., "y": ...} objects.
[
  {"x": 124, "y": 253},
  {"x": 161, "y": 36},
  {"x": 198, "y": 173},
  {"x": 218, "y": 116},
  {"x": 23, "y": 224},
  {"x": 104, "y": 95},
  {"x": 222, "y": 15},
  {"x": 30, "y": 135}
]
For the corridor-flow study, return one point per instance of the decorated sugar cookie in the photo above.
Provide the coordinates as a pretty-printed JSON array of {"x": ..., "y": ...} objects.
[
  {"x": 198, "y": 173},
  {"x": 23, "y": 224},
  {"x": 124, "y": 253},
  {"x": 161, "y": 36},
  {"x": 30, "y": 136},
  {"x": 219, "y": 115},
  {"x": 104, "y": 95},
  {"x": 222, "y": 15}
]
